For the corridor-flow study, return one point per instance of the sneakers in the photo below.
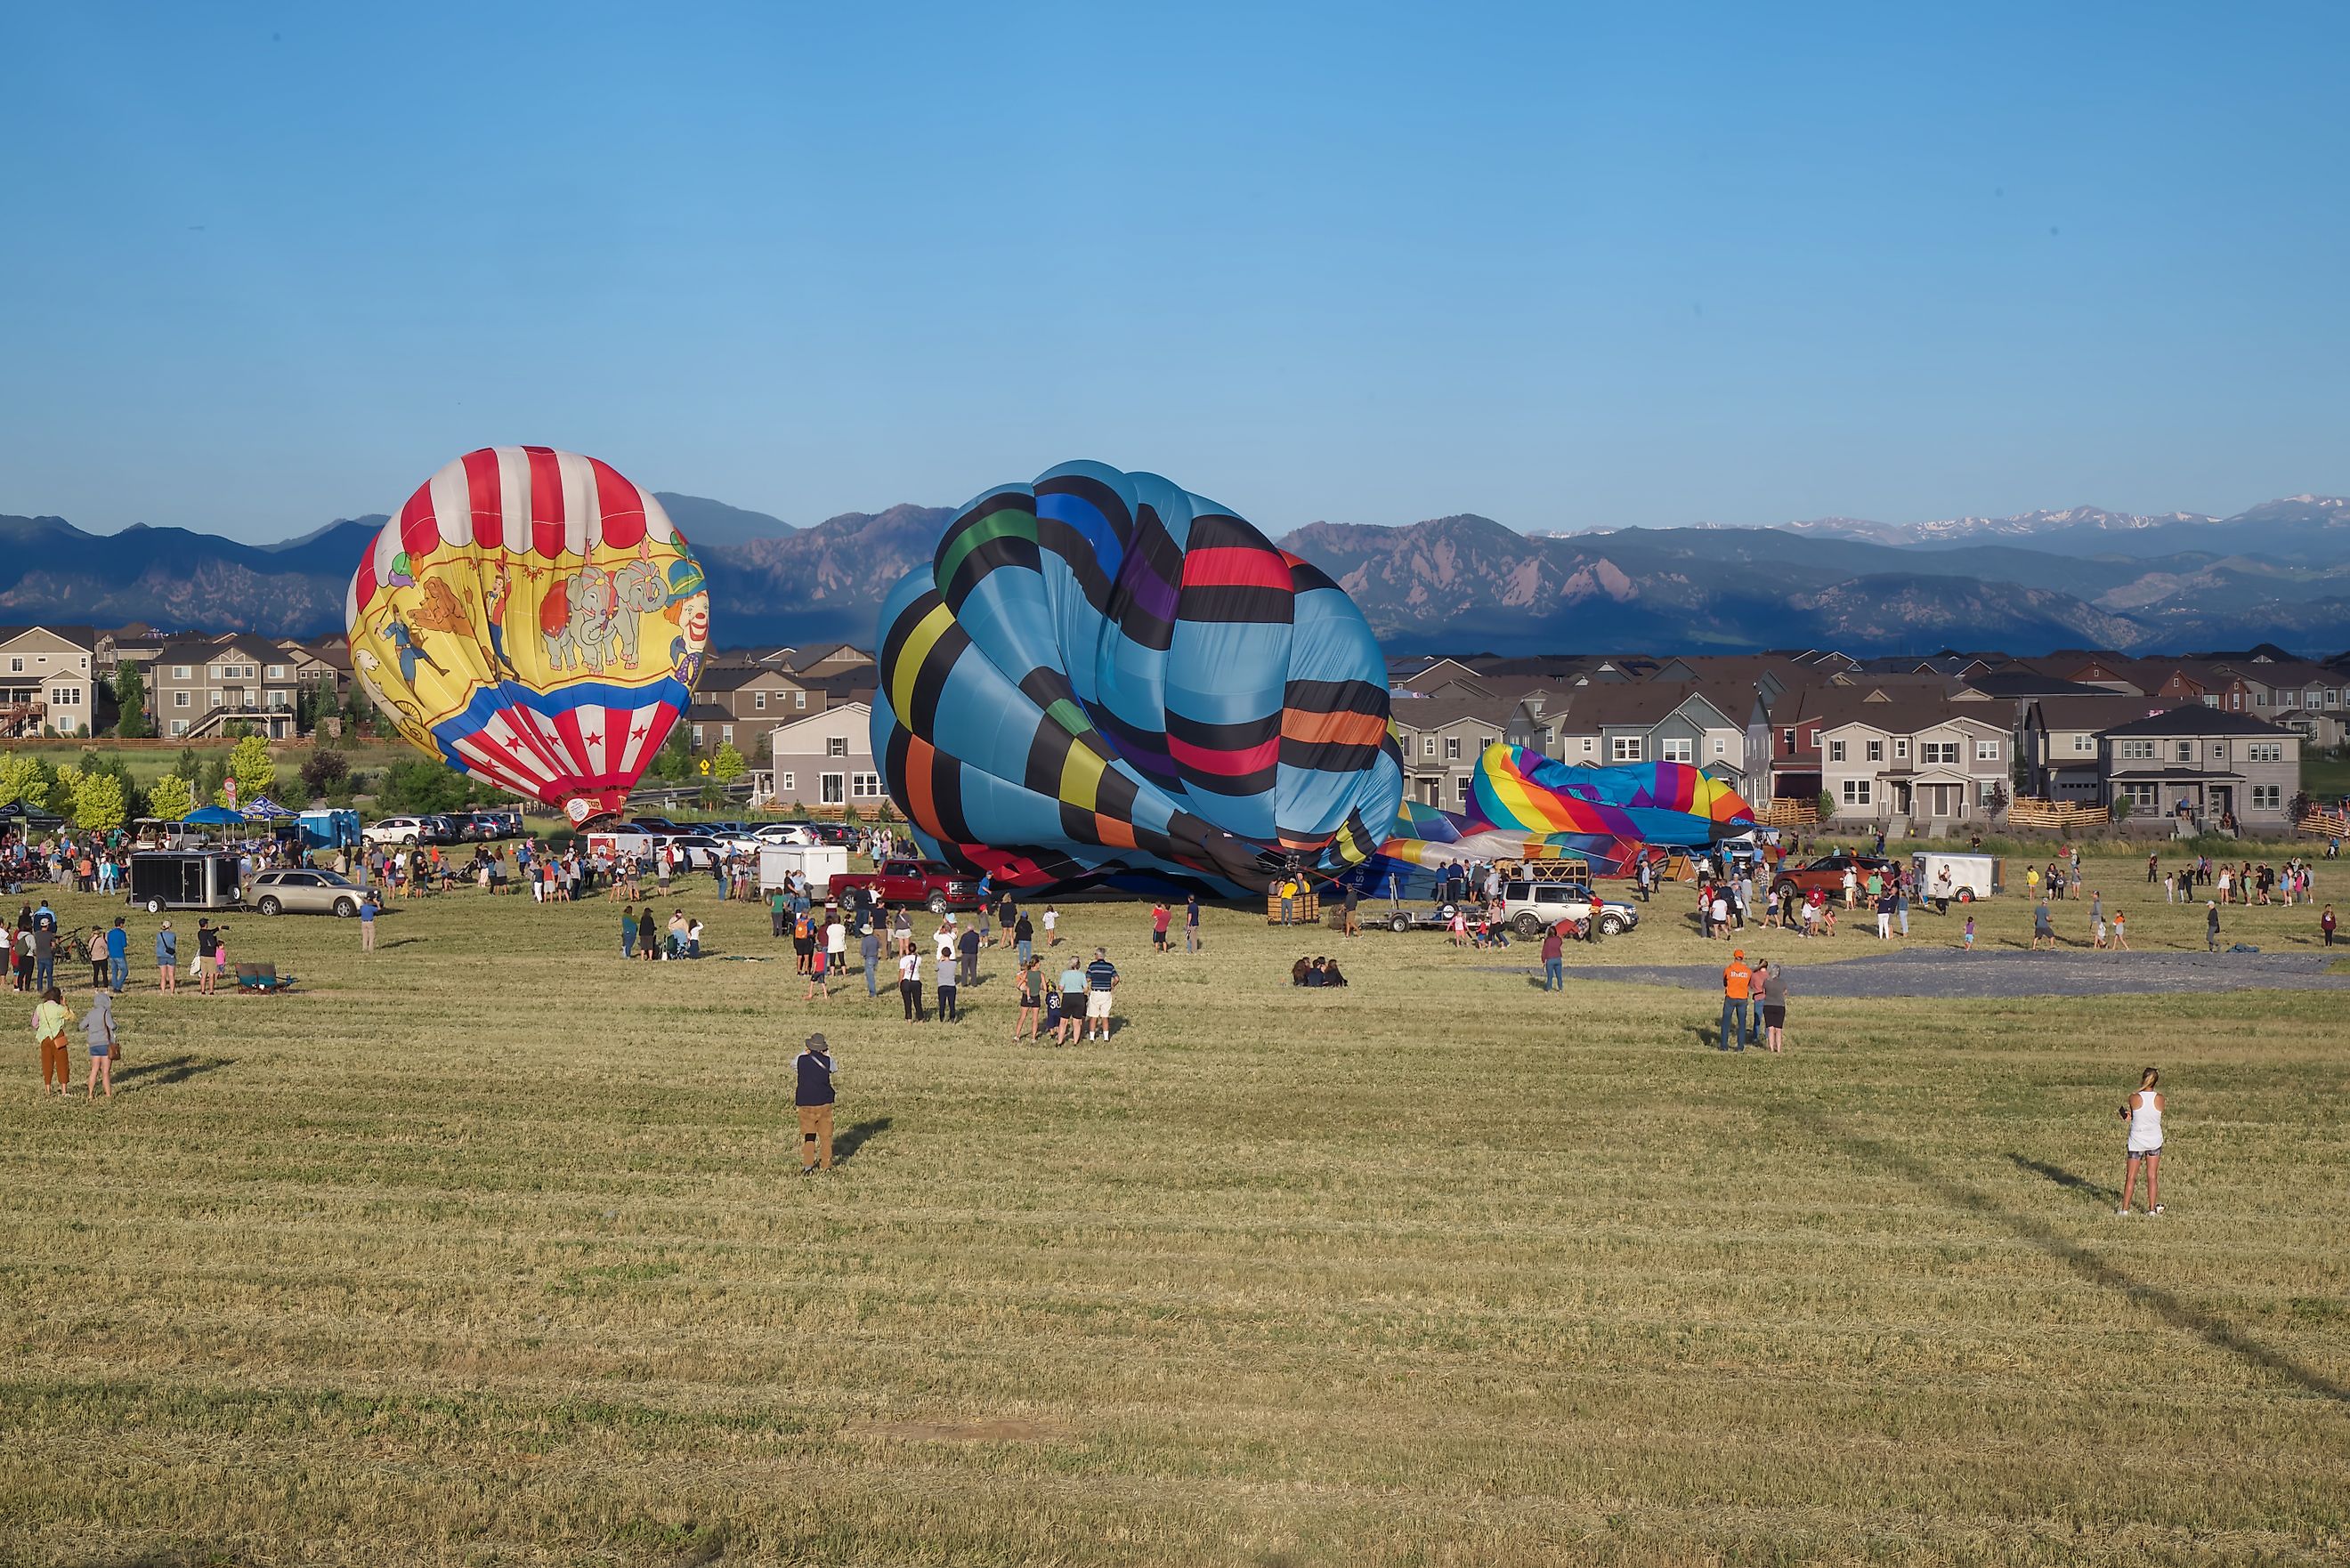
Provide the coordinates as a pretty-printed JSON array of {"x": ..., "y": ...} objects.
[
  {"x": 2121, "y": 1213},
  {"x": 2156, "y": 1209}
]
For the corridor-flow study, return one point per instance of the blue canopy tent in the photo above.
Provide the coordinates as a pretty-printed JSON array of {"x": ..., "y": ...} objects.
[{"x": 214, "y": 817}]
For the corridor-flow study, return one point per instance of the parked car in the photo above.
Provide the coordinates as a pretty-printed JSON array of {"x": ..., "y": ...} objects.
[
  {"x": 1529, "y": 906},
  {"x": 695, "y": 851},
  {"x": 291, "y": 891},
  {"x": 1826, "y": 874},
  {"x": 776, "y": 833},
  {"x": 444, "y": 826},
  {"x": 407, "y": 831},
  {"x": 659, "y": 827},
  {"x": 933, "y": 886}
]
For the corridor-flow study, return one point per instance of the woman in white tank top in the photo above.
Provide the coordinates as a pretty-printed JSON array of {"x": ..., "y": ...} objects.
[{"x": 2143, "y": 1111}]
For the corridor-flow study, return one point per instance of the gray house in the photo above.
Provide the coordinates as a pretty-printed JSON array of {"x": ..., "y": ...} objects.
[
  {"x": 1724, "y": 730},
  {"x": 1440, "y": 738},
  {"x": 2205, "y": 766}
]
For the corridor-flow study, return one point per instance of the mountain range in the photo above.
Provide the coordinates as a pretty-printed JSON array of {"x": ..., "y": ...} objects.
[{"x": 2279, "y": 572}]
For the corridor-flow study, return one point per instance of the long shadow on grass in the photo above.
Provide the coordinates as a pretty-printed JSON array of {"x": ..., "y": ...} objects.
[
  {"x": 2065, "y": 1178},
  {"x": 849, "y": 1142},
  {"x": 171, "y": 1070},
  {"x": 2219, "y": 1336}
]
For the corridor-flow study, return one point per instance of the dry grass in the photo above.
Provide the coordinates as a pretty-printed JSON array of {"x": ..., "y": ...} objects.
[{"x": 493, "y": 1249}]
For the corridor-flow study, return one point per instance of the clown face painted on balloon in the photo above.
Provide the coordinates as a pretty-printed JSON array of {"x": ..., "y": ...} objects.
[{"x": 522, "y": 537}]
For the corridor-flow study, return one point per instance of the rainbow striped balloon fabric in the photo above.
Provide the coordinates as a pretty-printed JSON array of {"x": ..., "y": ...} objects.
[{"x": 1102, "y": 677}]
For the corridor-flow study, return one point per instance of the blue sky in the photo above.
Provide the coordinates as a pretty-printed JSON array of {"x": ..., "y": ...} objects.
[{"x": 1560, "y": 266}]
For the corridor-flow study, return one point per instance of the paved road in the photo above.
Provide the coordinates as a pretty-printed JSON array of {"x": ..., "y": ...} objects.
[{"x": 1947, "y": 972}]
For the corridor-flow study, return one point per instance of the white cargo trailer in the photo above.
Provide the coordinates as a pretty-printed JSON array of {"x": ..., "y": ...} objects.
[{"x": 819, "y": 863}]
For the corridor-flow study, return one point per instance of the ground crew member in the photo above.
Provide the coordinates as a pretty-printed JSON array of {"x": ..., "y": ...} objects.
[
  {"x": 1737, "y": 985},
  {"x": 812, "y": 1094}
]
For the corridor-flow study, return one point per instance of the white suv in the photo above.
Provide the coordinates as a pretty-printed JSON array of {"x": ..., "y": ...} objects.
[
  {"x": 1529, "y": 906},
  {"x": 407, "y": 831}
]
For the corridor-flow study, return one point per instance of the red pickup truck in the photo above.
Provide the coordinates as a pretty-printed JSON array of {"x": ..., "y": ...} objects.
[{"x": 925, "y": 882}]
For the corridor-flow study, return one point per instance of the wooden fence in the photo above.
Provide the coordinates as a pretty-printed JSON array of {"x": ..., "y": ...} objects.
[
  {"x": 1788, "y": 814},
  {"x": 2326, "y": 825},
  {"x": 2057, "y": 816}
]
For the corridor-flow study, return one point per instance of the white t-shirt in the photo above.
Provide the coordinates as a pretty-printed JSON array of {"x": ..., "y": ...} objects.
[
  {"x": 1051, "y": 920},
  {"x": 835, "y": 937},
  {"x": 944, "y": 949},
  {"x": 910, "y": 968}
]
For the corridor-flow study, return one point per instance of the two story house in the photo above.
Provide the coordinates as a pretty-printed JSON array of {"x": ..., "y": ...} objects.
[
  {"x": 1721, "y": 730},
  {"x": 1912, "y": 763},
  {"x": 198, "y": 687},
  {"x": 2211, "y": 766},
  {"x": 2063, "y": 753},
  {"x": 1440, "y": 738},
  {"x": 49, "y": 679},
  {"x": 825, "y": 760}
]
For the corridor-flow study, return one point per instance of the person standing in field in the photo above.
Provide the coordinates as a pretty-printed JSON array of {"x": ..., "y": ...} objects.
[
  {"x": 1073, "y": 1001},
  {"x": 2143, "y": 1111},
  {"x": 1191, "y": 943},
  {"x": 813, "y": 1071},
  {"x": 1160, "y": 918},
  {"x": 943, "y": 979},
  {"x": 99, "y": 1030},
  {"x": 1023, "y": 936},
  {"x": 869, "y": 948},
  {"x": 207, "y": 947},
  {"x": 2210, "y": 925},
  {"x": 819, "y": 980},
  {"x": 2121, "y": 930},
  {"x": 968, "y": 944},
  {"x": 909, "y": 984},
  {"x": 1031, "y": 1000},
  {"x": 369, "y": 905},
  {"x": 50, "y": 1021},
  {"x": 1101, "y": 981},
  {"x": 2325, "y": 926},
  {"x": 836, "y": 942},
  {"x": 117, "y": 956},
  {"x": 1554, "y": 956},
  {"x": 1967, "y": 938},
  {"x": 1775, "y": 1007},
  {"x": 167, "y": 960},
  {"x": 2043, "y": 927},
  {"x": 1737, "y": 986}
]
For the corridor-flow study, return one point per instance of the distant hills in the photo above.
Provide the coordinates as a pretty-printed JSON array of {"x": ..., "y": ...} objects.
[{"x": 2279, "y": 572}]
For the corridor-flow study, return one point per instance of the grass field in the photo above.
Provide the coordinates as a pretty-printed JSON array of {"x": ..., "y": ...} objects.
[{"x": 490, "y": 1249}]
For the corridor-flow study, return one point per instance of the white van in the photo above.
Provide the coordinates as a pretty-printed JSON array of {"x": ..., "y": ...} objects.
[
  {"x": 622, "y": 845},
  {"x": 1970, "y": 877},
  {"x": 819, "y": 863}
]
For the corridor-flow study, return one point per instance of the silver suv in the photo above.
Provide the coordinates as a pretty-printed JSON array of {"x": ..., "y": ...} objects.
[
  {"x": 1530, "y": 907},
  {"x": 303, "y": 892}
]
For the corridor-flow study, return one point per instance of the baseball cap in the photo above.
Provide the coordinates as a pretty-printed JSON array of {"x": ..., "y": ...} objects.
[{"x": 1737, "y": 952}]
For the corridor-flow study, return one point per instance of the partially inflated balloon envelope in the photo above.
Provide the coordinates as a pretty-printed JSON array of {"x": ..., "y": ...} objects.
[
  {"x": 1102, "y": 677},
  {"x": 532, "y": 617}
]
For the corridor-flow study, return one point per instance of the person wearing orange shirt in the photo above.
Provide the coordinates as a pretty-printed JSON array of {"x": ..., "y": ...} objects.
[{"x": 1737, "y": 986}]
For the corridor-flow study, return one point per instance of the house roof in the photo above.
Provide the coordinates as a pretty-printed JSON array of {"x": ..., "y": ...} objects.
[
  {"x": 81, "y": 637},
  {"x": 1896, "y": 712},
  {"x": 1646, "y": 703},
  {"x": 1436, "y": 712},
  {"x": 831, "y": 716},
  {"x": 203, "y": 650},
  {"x": 2193, "y": 719},
  {"x": 2095, "y": 711},
  {"x": 815, "y": 653},
  {"x": 2019, "y": 682},
  {"x": 710, "y": 713}
]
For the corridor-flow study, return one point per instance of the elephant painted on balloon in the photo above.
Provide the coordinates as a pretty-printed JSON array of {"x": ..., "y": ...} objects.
[
  {"x": 639, "y": 589},
  {"x": 554, "y": 627},
  {"x": 592, "y": 615}
]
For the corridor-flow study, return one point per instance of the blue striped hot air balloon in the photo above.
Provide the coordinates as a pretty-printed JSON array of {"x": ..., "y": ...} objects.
[{"x": 1103, "y": 677}]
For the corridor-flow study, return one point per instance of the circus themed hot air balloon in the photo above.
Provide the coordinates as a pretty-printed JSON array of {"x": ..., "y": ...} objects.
[
  {"x": 1102, "y": 677},
  {"x": 533, "y": 618}
]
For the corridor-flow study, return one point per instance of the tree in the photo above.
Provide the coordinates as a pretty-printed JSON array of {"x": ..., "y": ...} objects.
[
  {"x": 674, "y": 761},
  {"x": 1998, "y": 801},
  {"x": 418, "y": 786},
  {"x": 23, "y": 778},
  {"x": 323, "y": 770},
  {"x": 170, "y": 798},
  {"x": 2120, "y": 808},
  {"x": 1827, "y": 805},
  {"x": 2303, "y": 805},
  {"x": 99, "y": 805},
  {"x": 130, "y": 700},
  {"x": 253, "y": 768},
  {"x": 728, "y": 764}
]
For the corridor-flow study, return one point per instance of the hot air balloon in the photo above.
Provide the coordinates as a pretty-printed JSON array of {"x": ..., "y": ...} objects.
[
  {"x": 1524, "y": 805},
  {"x": 533, "y": 618},
  {"x": 1102, "y": 677}
]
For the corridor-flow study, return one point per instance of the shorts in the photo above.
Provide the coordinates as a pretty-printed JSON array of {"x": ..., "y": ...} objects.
[
  {"x": 100, "y": 1052},
  {"x": 2144, "y": 1153},
  {"x": 1774, "y": 1016},
  {"x": 1098, "y": 1004}
]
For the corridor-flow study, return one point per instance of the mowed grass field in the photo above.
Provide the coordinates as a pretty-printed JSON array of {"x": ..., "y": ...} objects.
[{"x": 493, "y": 1249}]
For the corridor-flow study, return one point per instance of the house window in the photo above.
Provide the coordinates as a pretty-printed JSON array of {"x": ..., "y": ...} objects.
[
  {"x": 2186, "y": 752},
  {"x": 1427, "y": 745},
  {"x": 1875, "y": 750},
  {"x": 277, "y": 673},
  {"x": 2333, "y": 696},
  {"x": 1836, "y": 751},
  {"x": 2210, "y": 702},
  {"x": 180, "y": 698},
  {"x": 697, "y": 737},
  {"x": 1986, "y": 751},
  {"x": 2259, "y": 699},
  {"x": 865, "y": 786},
  {"x": 278, "y": 700},
  {"x": 1901, "y": 748},
  {"x": 2084, "y": 741},
  {"x": 1587, "y": 745},
  {"x": 1786, "y": 740},
  {"x": 2264, "y": 751},
  {"x": 179, "y": 672},
  {"x": 1679, "y": 750},
  {"x": 64, "y": 696},
  {"x": 1982, "y": 791},
  {"x": 1625, "y": 748},
  {"x": 799, "y": 699},
  {"x": 179, "y": 726},
  {"x": 1550, "y": 739},
  {"x": 1945, "y": 753},
  {"x": 1451, "y": 748},
  {"x": 2267, "y": 797},
  {"x": 835, "y": 745},
  {"x": 832, "y": 789},
  {"x": 2141, "y": 795},
  {"x": 788, "y": 783},
  {"x": 1721, "y": 746},
  {"x": 2288, "y": 699},
  {"x": 1461, "y": 790},
  {"x": 758, "y": 701},
  {"x": 2134, "y": 750},
  {"x": 1857, "y": 792},
  {"x": 16, "y": 664}
]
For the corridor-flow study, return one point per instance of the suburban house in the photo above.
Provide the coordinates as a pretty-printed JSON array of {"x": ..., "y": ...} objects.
[
  {"x": 137, "y": 643},
  {"x": 198, "y": 687},
  {"x": 2309, "y": 699},
  {"x": 2062, "y": 754},
  {"x": 1723, "y": 729},
  {"x": 49, "y": 679},
  {"x": 825, "y": 760},
  {"x": 821, "y": 660},
  {"x": 1440, "y": 738},
  {"x": 709, "y": 725},
  {"x": 2211, "y": 766},
  {"x": 758, "y": 696},
  {"x": 1911, "y": 763}
]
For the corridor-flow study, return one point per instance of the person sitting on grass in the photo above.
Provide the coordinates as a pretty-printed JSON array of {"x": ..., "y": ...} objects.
[
  {"x": 1330, "y": 975},
  {"x": 1299, "y": 970}
]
